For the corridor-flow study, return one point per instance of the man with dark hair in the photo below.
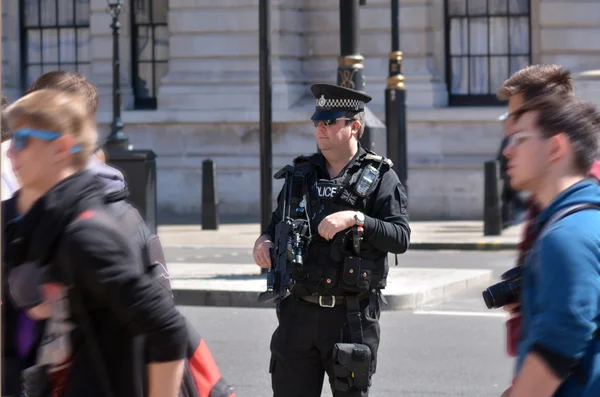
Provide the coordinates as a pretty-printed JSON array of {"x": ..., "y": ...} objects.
[
  {"x": 70, "y": 82},
  {"x": 553, "y": 142}
]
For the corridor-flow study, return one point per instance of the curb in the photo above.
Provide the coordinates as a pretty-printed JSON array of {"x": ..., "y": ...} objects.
[
  {"x": 409, "y": 301},
  {"x": 465, "y": 246}
]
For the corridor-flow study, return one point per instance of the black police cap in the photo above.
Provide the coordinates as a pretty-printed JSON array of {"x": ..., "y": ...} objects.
[{"x": 334, "y": 101}]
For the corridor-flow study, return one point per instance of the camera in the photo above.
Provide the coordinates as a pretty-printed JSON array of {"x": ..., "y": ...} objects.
[{"x": 505, "y": 292}]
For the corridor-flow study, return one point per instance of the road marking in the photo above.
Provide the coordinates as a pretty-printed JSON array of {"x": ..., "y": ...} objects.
[
  {"x": 234, "y": 254},
  {"x": 180, "y": 259},
  {"x": 199, "y": 256},
  {"x": 217, "y": 255},
  {"x": 454, "y": 313}
]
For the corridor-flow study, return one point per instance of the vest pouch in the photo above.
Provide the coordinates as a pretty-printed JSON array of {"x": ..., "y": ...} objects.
[
  {"x": 330, "y": 279},
  {"x": 351, "y": 271},
  {"x": 364, "y": 280}
]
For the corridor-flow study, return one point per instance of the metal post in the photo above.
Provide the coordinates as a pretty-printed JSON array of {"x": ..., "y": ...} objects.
[
  {"x": 350, "y": 62},
  {"x": 117, "y": 139},
  {"x": 395, "y": 104},
  {"x": 210, "y": 201},
  {"x": 266, "y": 151},
  {"x": 492, "y": 210}
]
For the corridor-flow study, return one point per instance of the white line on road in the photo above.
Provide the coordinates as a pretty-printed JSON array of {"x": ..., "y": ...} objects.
[
  {"x": 180, "y": 259},
  {"x": 199, "y": 256},
  {"x": 217, "y": 255},
  {"x": 453, "y": 313}
]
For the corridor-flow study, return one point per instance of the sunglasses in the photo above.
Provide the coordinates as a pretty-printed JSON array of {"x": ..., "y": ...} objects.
[
  {"x": 329, "y": 122},
  {"x": 20, "y": 138}
]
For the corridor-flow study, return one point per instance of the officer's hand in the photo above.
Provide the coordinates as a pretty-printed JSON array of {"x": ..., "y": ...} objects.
[
  {"x": 336, "y": 222},
  {"x": 261, "y": 251}
]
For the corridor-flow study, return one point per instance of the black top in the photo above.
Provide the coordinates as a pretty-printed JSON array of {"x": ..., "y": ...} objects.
[
  {"x": 386, "y": 222},
  {"x": 70, "y": 230}
]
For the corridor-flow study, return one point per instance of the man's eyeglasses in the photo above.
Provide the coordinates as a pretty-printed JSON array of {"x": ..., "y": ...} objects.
[
  {"x": 519, "y": 138},
  {"x": 329, "y": 122},
  {"x": 20, "y": 138}
]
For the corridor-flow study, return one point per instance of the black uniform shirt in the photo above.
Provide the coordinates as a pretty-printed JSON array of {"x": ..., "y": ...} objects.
[{"x": 386, "y": 222}]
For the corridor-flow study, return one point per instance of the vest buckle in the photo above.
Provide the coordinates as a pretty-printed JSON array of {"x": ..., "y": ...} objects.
[{"x": 325, "y": 304}]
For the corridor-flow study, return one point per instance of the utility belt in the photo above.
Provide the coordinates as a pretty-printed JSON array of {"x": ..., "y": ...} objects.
[{"x": 332, "y": 300}]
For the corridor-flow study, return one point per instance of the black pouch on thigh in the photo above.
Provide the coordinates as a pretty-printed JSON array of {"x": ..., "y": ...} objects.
[{"x": 351, "y": 366}]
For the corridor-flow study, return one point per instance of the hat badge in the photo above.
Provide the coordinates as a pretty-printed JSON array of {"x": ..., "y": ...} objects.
[{"x": 322, "y": 101}]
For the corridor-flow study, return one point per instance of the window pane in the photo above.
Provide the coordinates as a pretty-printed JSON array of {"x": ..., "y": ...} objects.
[
  {"x": 82, "y": 8},
  {"x": 161, "y": 43},
  {"x": 518, "y": 63},
  {"x": 65, "y": 12},
  {"x": 498, "y": 7},
  {"x": 498, "y": 36},
  {"x": 83, "y": 45},
  {"x": 460, "y": 73},
  {"x": 519, "y": 35},
  {"x": 49, "y": 67},
  {"x": 478, "y": 42},
  {"x": 518, "y": 6},
  {"x": 479, "y": 75},
  {"x": 34, "y": 46},
  {"x": 145, "y": 71},
  {"x": 144, "y": 39},
  {"x": 68, "y": 67},
  {"x": 48, "y": 11},
  {"x": 33, "y": 72},
  {"x": 67, "y": 45},
  {"x": 159, "y": 11},
  {"x": 457, "y": 7},
  {"x": 477, "y": 7},
  {"x": 142, "y": 11},
  {"x": 458, "y": 36},
  {"x": 31, "y": 13},
  {"x": 499, "y": 71},
  {"x": 161, "y": 70},
  {"x": 50, "y": 49}
]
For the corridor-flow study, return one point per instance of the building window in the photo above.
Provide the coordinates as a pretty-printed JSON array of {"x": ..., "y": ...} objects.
[
  {"x": 150, "y": 49},
  {"x": 486, "y": 41},
  {"x": 55, "y": 35}
]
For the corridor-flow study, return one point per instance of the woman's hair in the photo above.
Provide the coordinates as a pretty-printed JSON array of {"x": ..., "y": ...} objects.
[{"x": 57, "y": 111}]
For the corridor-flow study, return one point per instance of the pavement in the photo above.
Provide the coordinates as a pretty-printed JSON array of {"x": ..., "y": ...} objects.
[{"x": 409, "y": 287}]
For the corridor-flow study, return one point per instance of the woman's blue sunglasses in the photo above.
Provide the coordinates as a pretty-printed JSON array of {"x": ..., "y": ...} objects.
[{"x": 21, "y": 137}]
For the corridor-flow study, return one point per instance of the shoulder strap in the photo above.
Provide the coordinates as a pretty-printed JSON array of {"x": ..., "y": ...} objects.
[{"x": 563, "y": 213}]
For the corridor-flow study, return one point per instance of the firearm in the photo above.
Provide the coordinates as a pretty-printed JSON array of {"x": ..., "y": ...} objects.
[{"x": 290, "y": 241}]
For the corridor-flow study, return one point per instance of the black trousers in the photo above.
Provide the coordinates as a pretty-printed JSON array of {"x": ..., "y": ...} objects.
[{"x": 302, "y": 345}]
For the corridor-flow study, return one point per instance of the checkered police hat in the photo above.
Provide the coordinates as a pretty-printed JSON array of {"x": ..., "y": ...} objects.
[{"x": 334, "y": 101}]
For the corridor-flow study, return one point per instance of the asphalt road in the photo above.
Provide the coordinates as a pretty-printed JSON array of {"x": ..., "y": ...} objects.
[{"x": 452, "y": 348}]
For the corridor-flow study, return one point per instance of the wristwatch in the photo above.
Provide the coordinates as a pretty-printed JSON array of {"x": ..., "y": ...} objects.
[{"x": 359, "y": 218}]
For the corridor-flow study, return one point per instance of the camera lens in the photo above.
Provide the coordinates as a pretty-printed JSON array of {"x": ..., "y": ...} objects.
[{"x": 501, "y": 294}]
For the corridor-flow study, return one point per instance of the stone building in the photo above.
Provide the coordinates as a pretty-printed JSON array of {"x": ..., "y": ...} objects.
[{"x": 190, "y": 81}]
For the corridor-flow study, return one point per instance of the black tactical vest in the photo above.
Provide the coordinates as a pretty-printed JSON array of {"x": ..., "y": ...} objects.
[{"x": 331, "y": 267}]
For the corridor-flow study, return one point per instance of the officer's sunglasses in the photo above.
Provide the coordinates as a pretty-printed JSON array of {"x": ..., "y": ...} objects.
[
  {"x": 329, "y": 122},
  {"x": 20, "y": 138}
]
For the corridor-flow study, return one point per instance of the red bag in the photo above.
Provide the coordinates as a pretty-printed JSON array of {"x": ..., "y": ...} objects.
[
  {"x": 513, "y": 335},
  {"x": 201, "y": 377}
]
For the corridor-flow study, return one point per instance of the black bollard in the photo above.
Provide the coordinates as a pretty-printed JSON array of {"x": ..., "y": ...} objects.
[
  {"x": 492, "y": 208},
  {"x": 209, "y": 213}
]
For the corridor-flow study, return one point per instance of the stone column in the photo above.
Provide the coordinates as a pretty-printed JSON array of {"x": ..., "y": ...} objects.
[
  {"x": 11, "y": 54},
  {"x": 213, "y": 56},
  {"x": 101, "y": 49},
  {"x": 424, "y": 89}
]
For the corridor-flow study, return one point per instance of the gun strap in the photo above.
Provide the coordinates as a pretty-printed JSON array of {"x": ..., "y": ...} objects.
[{"x": 354, "y": 318}]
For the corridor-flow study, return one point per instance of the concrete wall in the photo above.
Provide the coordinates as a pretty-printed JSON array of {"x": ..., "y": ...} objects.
[{"x": 208, "y": 103}]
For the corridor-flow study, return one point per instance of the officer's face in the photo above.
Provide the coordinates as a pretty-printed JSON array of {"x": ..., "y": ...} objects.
[{"x": 338, "y": 135}]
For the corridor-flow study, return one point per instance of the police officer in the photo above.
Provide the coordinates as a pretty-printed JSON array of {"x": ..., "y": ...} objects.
[{"x": 356, "y": 207}]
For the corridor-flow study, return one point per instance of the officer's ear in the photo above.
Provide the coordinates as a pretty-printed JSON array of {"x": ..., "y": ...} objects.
[{"x": 355, "y": 125}]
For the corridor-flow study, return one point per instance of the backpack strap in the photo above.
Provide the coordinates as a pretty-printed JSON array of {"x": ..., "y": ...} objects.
[{"x": 564, "y": 213}]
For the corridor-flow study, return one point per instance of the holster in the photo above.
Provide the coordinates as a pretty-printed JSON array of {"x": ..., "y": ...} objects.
[{"x": 352, "y": 362}]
